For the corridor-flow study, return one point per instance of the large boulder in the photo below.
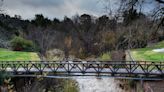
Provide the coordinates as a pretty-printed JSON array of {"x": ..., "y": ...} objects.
[
  {"x": 118, "y": 55},
  {"x": 55, "y": 54}
]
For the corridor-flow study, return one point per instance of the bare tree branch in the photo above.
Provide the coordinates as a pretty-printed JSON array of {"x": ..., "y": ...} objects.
[{"x": 160, "y": 1}]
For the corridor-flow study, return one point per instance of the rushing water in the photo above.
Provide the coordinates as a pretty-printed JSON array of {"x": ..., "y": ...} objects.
[{"x": 99, "y": 85}]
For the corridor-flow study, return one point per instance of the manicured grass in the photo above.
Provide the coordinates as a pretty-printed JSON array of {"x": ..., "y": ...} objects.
[
  {"x": 7, "y": 55},
  {"x": 105, "y": 56},
  {"x": 159, "y": 45},
  {"x": 148, "y": 54}
]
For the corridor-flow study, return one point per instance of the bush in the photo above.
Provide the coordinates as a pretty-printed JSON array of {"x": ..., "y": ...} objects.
[
  {"x": 20, "y": 44},
  {"x": 3, "y": 76}
]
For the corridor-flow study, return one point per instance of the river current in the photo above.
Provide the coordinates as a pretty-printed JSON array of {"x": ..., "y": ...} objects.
[{"x": 99, "y": 85}]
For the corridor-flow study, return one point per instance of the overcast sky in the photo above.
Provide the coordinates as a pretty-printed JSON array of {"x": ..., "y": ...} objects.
[
  {"x": 52, "y": 8},
  {"x": 55, "y": 8}
]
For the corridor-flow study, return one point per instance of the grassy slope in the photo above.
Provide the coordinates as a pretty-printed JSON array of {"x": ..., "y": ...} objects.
[
  {"x": 6, "y": 55},
  {"x": 105, "y": 57},
  {"x": 147, "y": 53}
]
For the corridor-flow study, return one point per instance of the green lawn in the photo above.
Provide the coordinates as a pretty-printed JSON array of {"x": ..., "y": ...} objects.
[
  {"x": 148, "y": 54},
  {"x": 7, "y": 55},
  {"x": 105, "y": 56}
]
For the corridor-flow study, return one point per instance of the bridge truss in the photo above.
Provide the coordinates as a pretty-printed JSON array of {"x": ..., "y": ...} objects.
[{"x": 132, "y": 69}]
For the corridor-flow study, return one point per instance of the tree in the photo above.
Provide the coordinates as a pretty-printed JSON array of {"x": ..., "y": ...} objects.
[
  {"x": 67, "y": 45},
  {"x": 102, "y": 23},
  {"x": 85, "y": 29},
  {"x": 157, "y": 14},
  {"x": 45, "y": 38},
  {"x": 108, "y": 40},
  {"x": 67, "y": 25},
  {"x": 41, "y": 21},
  {"x": 20, "y": 44}
]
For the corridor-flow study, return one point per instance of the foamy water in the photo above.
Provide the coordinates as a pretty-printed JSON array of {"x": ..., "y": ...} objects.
[{"x": 99, "y": 85}]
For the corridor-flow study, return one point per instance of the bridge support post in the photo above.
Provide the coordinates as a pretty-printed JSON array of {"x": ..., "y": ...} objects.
[{"x": 142, "y": 85}]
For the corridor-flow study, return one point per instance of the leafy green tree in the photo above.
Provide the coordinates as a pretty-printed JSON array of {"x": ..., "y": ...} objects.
[{"x": 20, "y": 44}]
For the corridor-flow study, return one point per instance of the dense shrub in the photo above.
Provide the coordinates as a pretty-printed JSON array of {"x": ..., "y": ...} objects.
[
  {"x": 20, "y": 44},
  {"x": 3, "y": 76}
]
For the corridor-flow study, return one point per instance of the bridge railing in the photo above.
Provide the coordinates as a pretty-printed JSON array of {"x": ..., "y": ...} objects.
[{"x": 100, "y": 68}]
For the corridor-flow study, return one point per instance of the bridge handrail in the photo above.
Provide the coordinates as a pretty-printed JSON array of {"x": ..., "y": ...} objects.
[{"x": 83, "y": 62}]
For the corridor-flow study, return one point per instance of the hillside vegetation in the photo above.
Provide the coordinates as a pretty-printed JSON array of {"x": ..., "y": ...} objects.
[
  {"x": 7, "y": 55},
  {"x": 81, "y": 36}
]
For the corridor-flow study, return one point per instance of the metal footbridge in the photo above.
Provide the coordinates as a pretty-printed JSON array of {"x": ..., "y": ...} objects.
[{"x": 122, "y": 69}]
